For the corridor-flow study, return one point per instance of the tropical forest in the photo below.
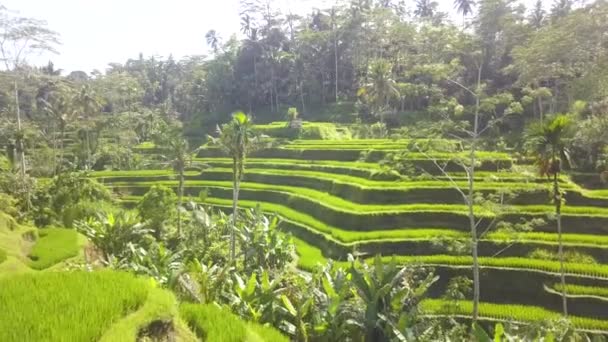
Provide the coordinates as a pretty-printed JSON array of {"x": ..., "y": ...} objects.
[{"x": 353, "y": 170}]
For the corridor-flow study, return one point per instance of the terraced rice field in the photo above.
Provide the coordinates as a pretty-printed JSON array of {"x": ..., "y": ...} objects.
[{"x": 335, "y": 199}]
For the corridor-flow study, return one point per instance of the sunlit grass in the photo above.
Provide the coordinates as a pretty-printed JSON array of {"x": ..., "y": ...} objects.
[
  {"x": 581, "y": 290},
  {"x": 311, "y": 256},
  {"x": 60, "y": 306},
  {"x": 521, "y": 313},
  {"x": 339, "y": 204},
  {"x": 53, "y": 245},
  {"x": 212, "y": 323}
]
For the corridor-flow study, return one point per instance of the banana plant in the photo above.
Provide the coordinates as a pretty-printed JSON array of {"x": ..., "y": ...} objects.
[
  {"x": 256, "y": 299},
  {"x": 262, "y": 244},
  {"x": 386, "y": 292},
  {"x": 334, "y": 294},
  {"x": 212, "y": 280}
]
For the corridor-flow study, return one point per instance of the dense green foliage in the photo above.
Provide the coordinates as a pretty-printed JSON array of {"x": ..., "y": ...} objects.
[{"x": 377, "y": 155}]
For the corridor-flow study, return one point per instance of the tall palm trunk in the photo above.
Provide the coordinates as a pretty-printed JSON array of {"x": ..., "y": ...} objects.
[
  {"x": 470, "y": 202},
  {"x": 560, "y": 246},
  {"x": 336, "y": 62},
  {"x": 235, "y": 198},
  {"x": 473, "y": 224},
  {"x": 180, "y": 196},
  {"x": 61, "y": 144},
  {"x": 19, "y": 140}
]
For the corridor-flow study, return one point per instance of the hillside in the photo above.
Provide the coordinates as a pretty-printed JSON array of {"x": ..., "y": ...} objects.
[
  {"x": 335, "y": 199},
  {"x": 44, "y": 300}
]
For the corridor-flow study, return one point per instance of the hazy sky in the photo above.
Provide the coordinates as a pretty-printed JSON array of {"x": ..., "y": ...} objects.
[{"x": 97, "y": 32}]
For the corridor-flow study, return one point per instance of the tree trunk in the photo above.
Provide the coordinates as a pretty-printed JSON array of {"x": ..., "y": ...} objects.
[
  {"x": 302, "y": 98},
  {"x": 540, "y": 109},
  {"x": 560, "y": 252},
  {"x": 474, "y": 239},
  {"x": 88, "y": 142},
  {"x": 180, "y": 196},
  {"x": 471, "y": 181},
  {"x": 19, "y": 140},
  {"x": 235, "y": 198},
  {"x": 336, "y": 63}
]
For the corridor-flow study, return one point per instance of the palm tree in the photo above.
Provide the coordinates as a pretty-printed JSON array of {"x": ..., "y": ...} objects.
[
  {"x": 537, "y": 17},
  {"x": 237, "y": 139},
  {"x": 213, "y": 40},
  {"x": 381, "y": 87},
  {"x": 425, "y": 8},
  {"x": 548, "y": 141},
  {"x": 181, "y": 157},
  {"x": 464, "y": 7},
  {"x": 87, "y": 104}
]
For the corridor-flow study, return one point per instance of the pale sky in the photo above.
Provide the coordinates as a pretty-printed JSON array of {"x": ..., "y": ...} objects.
[{"x": 96, "y": 32}]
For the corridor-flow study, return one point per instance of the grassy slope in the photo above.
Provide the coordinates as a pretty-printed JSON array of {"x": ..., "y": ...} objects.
[
  {"x": 341, "y": 205},
  {"x": 310, "y": 257},
  {"x": 212, "y": 323},
  {"x": 13, "y": 244},
  {"x": 520, "y": 313},
  {"x": 53, "y": 246},
  {"x": 45, "y": 306}
]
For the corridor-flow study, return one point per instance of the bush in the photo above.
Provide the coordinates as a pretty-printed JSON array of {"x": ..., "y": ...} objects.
[
  {"x": 70, "y": 197},
  {"x": 58, "y": 306},
  {"x": 53, "y": 245},
  {"x": 159, "y": 207},
  {"x": 113, "y": 234},
  {"x": 309, "y": 130}
]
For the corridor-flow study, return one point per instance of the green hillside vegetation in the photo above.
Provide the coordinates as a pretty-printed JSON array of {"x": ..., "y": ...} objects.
[
  {"x": 364, "y": 171},
  {"x": 54, "y": 245},
  {"x": 212, "y": 323},
  {"x": 46, "y": 305}
]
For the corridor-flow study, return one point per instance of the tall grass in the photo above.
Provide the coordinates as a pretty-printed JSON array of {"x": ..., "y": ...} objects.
[
  {"x": 341, "y": 205},
  {"x": 581, "y": 290},
  {"x": 521, "y": 313},
  {"x": 2, "y": 256},
  {"x": 61, "y": 306},
  {"x": 313, "y": 256},
  {"x": 53, "y": 245},
  {"x": 212, "y": 323}
]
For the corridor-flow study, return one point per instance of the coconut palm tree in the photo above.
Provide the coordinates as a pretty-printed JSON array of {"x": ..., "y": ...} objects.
[
  {"x": 87, "y": 104},
  {"x": 548, "y": 141},
  {"x": 181, "y": 158},
  {"x": 464, "y": 7},
  {"x": 236, "y": 139},
  {"x": 381, "y": 87},
  {"x": 213, "y": 40},
  {"x": 425, "y": 8}
]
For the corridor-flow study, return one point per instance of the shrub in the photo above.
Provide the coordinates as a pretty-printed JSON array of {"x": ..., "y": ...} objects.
[
  {"x": 53, "y": 245},
  {"x": 60, "y": 306},
  {"x": 158, "y": 206},
  {"x": 70, "y": 197},
  {"x": 292, "y": 114},
  {"x": 569, "y": 256},
  {"x": 113, "y": 234}
]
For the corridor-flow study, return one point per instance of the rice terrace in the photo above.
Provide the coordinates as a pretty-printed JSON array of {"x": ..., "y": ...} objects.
[{"x": 368, "y": 170}]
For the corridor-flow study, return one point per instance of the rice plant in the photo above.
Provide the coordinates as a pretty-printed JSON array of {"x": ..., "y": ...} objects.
[
  {"x": 53, "y": 245},
  {"x": 66, "y": 306}
]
